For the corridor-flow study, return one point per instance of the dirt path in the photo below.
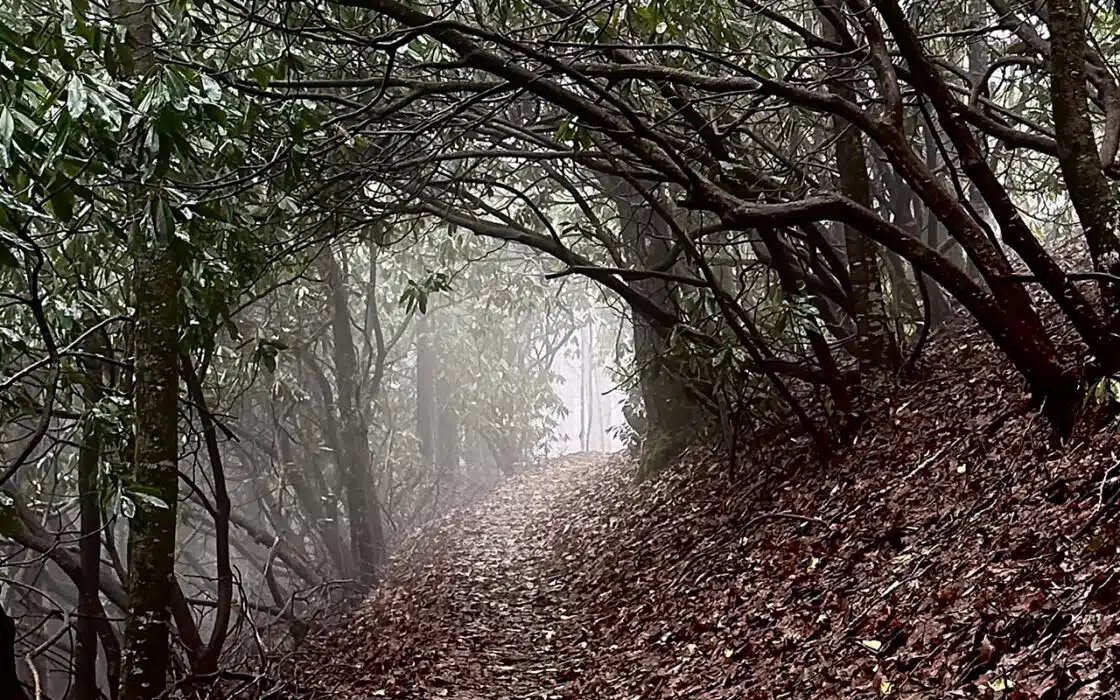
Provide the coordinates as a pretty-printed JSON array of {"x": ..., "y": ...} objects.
[
  {"x": 941, "y": 556},
  {"x": 486, "y": 628}
]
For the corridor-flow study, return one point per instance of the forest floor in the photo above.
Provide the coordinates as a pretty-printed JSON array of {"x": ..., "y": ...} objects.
[{"x": 952, "y": 551}]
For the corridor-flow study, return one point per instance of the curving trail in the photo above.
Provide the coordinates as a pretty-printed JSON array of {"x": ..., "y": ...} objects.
[
  {"x": 474, "y": 607},
  {"x": 912, "y": 567}
]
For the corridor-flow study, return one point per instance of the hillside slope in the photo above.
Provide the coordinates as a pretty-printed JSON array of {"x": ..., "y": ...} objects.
[{"x": 949, "y": 553}]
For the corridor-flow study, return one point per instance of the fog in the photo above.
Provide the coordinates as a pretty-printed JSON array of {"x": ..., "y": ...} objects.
[{"x": 592, "y": 396}]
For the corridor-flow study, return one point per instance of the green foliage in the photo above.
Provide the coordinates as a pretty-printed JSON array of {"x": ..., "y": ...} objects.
[
  {"x": 415, "y": 294},
  {"x": 1106, "y": 390},
  {"x": 10, "y": 523}
]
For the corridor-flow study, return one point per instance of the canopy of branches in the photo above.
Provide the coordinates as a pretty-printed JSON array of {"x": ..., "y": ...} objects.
[{"x": 281, "y": 280}]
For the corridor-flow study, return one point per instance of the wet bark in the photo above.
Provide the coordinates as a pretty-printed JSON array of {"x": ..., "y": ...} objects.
[
  {"x": 672, "y": 416},
  {"x": 1050, "y": 380},
  {"x": 875, "y": 347},
  {"x": 89, "y": 548},
  {"x": 1089, "y": 188},
  {"x": 157, "y": 284},
  {"x": 151, "y": 544}
]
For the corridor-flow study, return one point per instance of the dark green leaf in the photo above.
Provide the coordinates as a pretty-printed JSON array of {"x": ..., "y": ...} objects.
[
  {"x": 76, "y": 99},
  {"x": 7, "y": 128},
  {"x": 10, "y": 523},
  {"x": 163, "y": 219},
  {"x": 62, "y": 200},
  {"x": 7, "y": 258}
]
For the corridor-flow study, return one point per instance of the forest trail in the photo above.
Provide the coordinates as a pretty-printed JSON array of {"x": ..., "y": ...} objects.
[
  {"x": 911, "y": 567},
  {"x": 489, "y": 628}
]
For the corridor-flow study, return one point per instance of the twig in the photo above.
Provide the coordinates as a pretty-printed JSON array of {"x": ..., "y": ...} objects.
[
  {"x": 627, "y": 274},
  {"x": 34, "y": 677},
  {"x": 1102, "y": 508},
  {"x": 921, "y": 465},
  {"x": 786, "y": 516},
  {"x": 66, "y": 350}
]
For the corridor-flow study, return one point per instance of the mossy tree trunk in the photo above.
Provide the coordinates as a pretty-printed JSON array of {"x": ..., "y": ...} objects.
[{"x": 151, "y": 544}]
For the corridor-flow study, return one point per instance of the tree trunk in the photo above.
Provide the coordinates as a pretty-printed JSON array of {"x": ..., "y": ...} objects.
[
  {"x": 875, "y": 348},
  {"x": 333, "y": 437},
  {"x": 1080, "y": 160},
  {"x": 934, "y": 230},
  {"x": 978, "y": 59},
  {"x": 10, "y": 687},
  {"x": 783, "y": 263},
  {"x": 312, "y": 502},
  {"x": 151, "y": 542},
  {"x": 425, "y": 389},
  {"x": 448, "y": 430},
  {"x": 205, "y": 661},
  {"x": 89, "y": 549},
  {"x": 1049, "y": 378},
  {"x": 151, "y": 537},
  {"x": 587, "y": 388},
  {"x": 367, "y": 538},
  {"x": 673, "y": 417},
  {"x": 901, "y": 203}
]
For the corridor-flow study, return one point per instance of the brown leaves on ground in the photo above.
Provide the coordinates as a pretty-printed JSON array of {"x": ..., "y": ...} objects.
[{"x": 949, "y": 553}]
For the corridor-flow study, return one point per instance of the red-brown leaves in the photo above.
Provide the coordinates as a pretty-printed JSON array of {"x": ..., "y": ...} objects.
[{"x": 933, "y": 560}]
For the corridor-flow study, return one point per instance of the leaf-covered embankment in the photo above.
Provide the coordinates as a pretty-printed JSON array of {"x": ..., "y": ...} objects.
[{"x": 950, "y": 549}]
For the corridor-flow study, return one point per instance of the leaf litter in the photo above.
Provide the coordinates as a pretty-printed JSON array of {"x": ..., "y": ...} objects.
[{"x": 951, "y": 552}]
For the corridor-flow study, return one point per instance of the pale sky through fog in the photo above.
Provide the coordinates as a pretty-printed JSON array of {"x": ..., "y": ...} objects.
[{"x": 606, "y": 409}]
